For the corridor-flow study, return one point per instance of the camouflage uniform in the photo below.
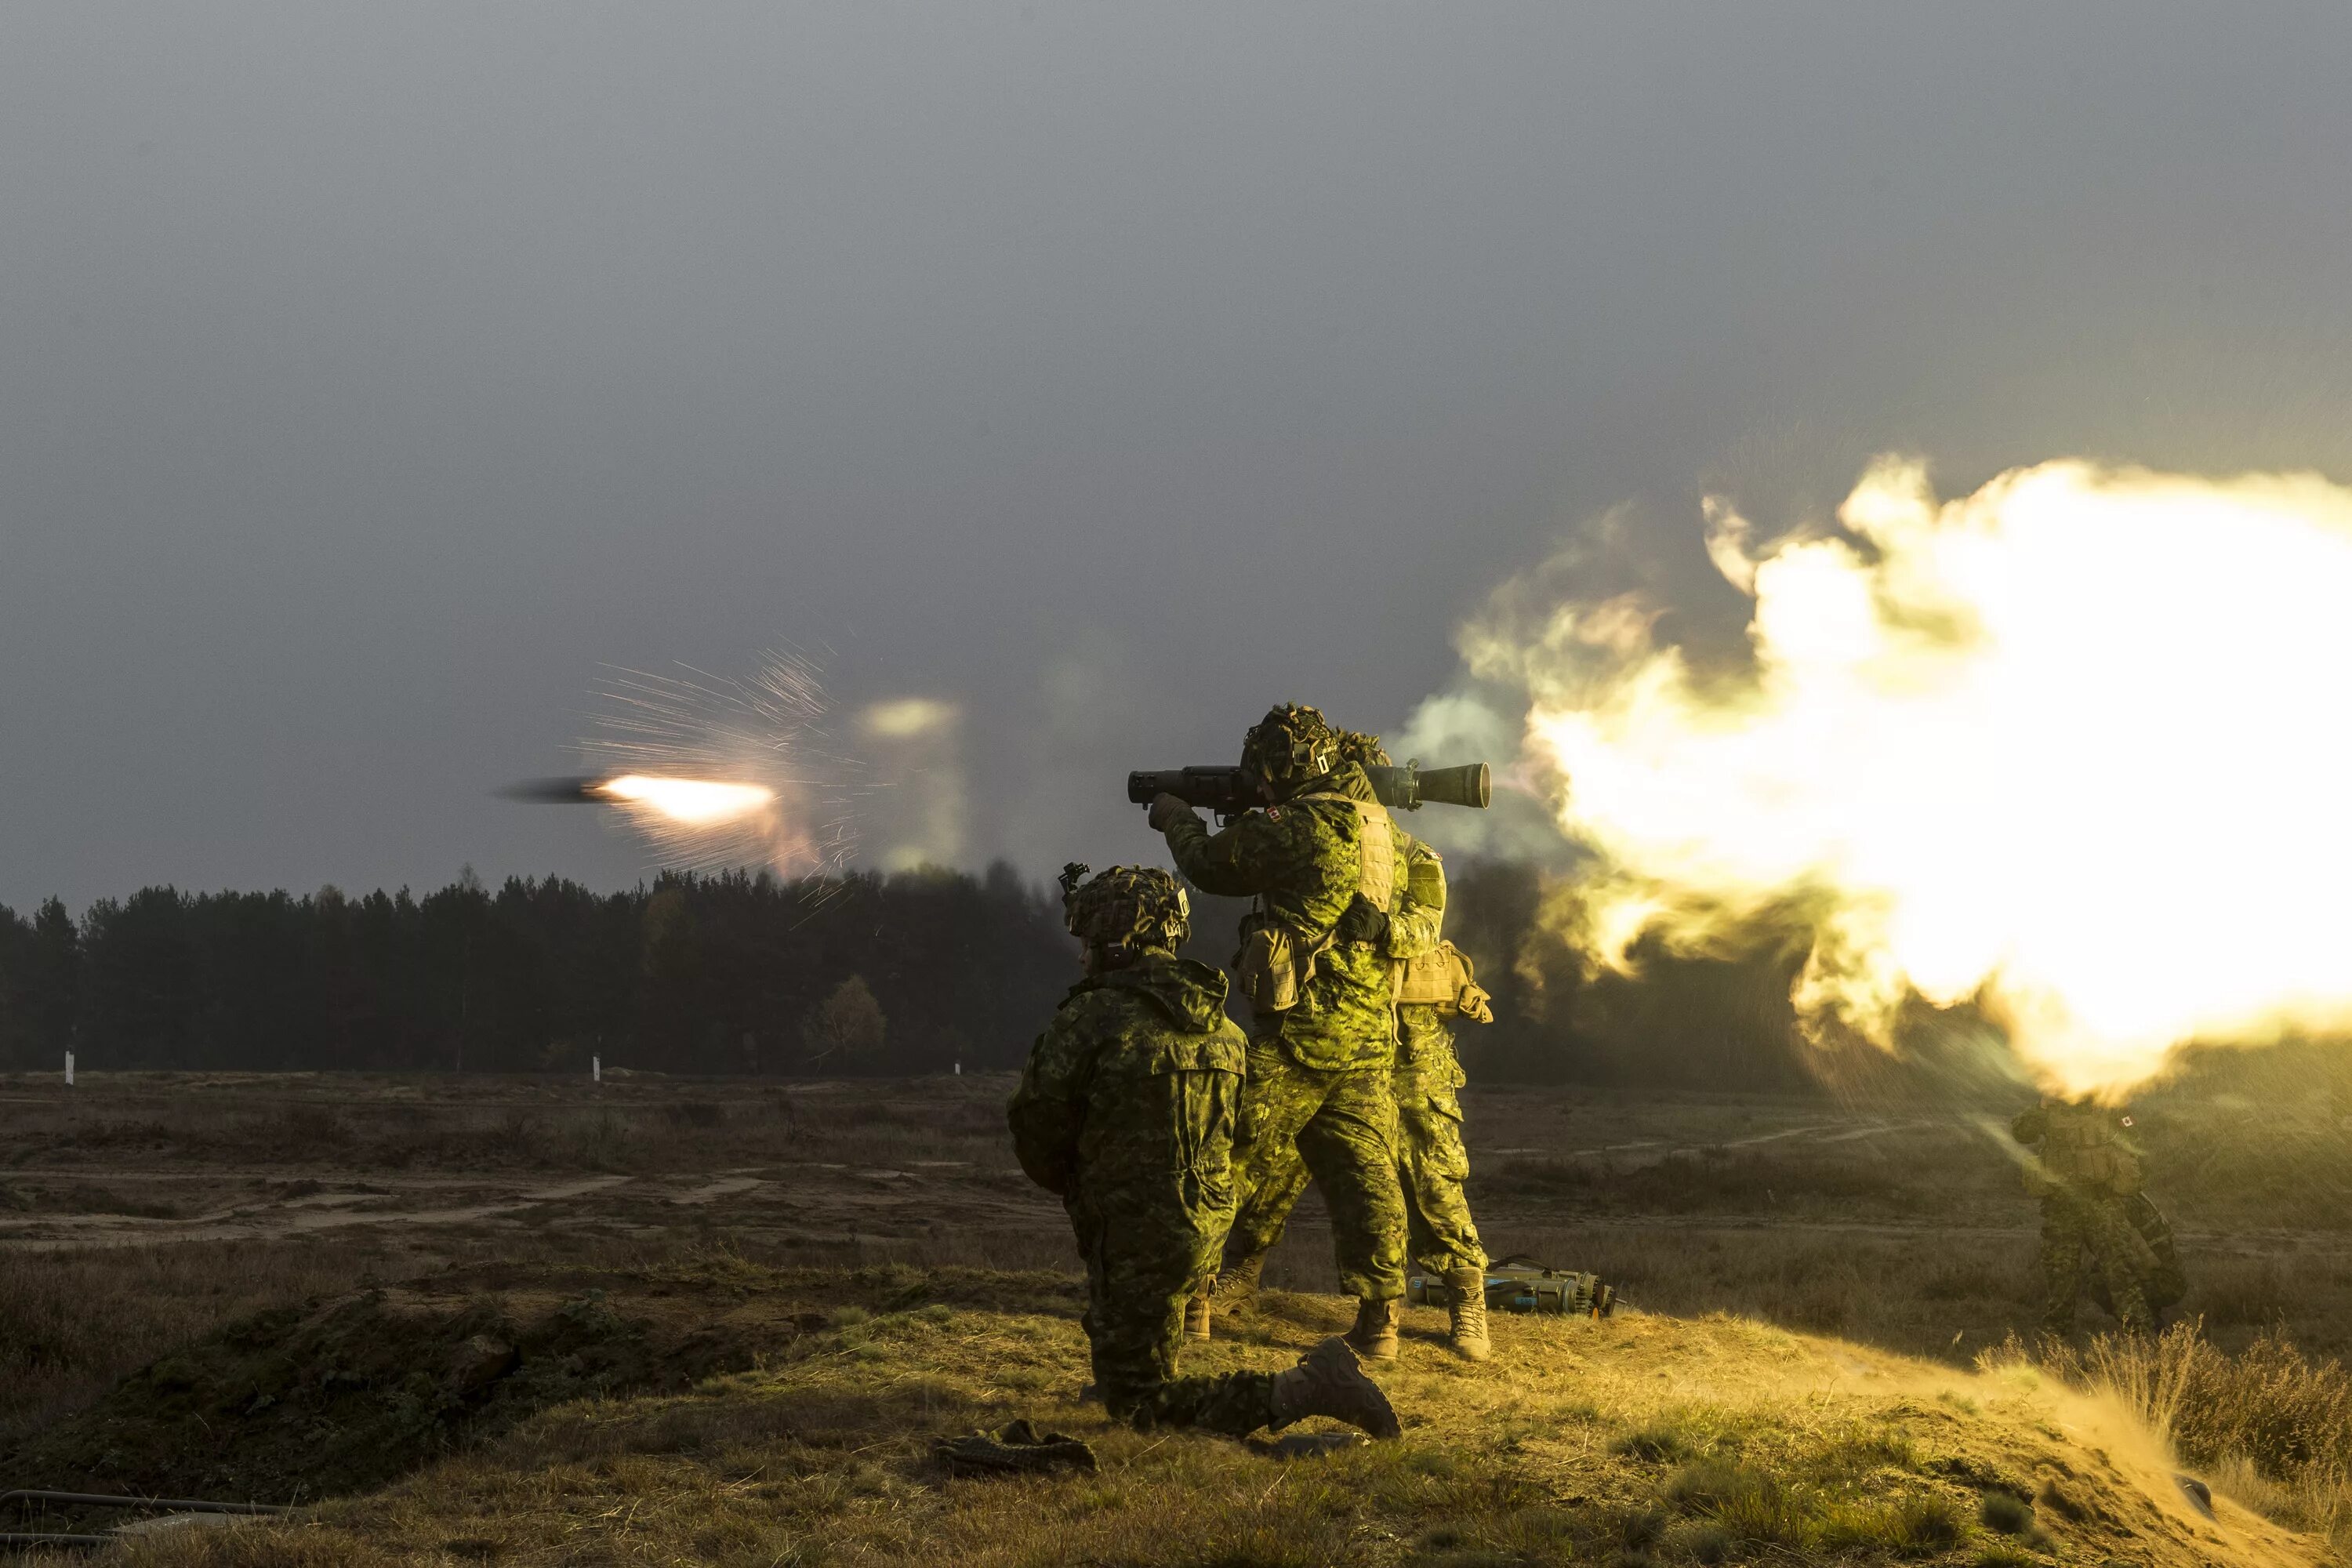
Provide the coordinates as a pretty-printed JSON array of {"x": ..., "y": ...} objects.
[
  {"x": 1127, "y": 1109},
  {"x": 2087, "y": 1176},
  {"x": 1443, "y": 1238},
  {"x": 1318, "y": 1071},
  {"x": 1440, "y": 1236},
  {"x": 2163, "y": 1281}
]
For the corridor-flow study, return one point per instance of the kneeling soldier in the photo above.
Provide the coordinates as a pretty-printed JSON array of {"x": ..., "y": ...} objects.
[{"x": 1126, "y": 1110}]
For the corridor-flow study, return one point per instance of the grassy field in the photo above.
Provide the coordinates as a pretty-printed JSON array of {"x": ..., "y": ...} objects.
[
  {"x": 1639, "y": 1440},
  {"x": 652, "y": 1322}
]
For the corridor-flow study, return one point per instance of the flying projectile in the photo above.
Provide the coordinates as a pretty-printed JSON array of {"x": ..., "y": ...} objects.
[
  {"x": 579, "y": 791},
  {"x": 693, "y": 801}
]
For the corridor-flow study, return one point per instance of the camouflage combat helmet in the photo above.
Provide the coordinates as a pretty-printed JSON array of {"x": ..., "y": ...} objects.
[
  {"x": 1290, "y": 745},
  {"x": 1364, "y": 750},
  {"x": 1126, "y": 910}
]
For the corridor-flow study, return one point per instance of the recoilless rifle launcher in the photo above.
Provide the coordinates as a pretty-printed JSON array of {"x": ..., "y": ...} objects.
[{"x": 1229, "y": 791}]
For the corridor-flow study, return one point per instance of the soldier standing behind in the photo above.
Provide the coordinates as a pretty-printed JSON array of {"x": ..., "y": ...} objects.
[
  {"x": 1433, "y": 987},
  {"x": 1321, "y": 864},
  {"x": 1126, "y": 1110},
  {"x": 1433, "y": 984},
  {"x": 2086, "y": 1175}
]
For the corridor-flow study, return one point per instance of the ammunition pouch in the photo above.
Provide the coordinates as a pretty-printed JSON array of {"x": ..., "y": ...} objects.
[
  {"x": 1444, "y": 979},
  {"x": 1274, "y": 967}
]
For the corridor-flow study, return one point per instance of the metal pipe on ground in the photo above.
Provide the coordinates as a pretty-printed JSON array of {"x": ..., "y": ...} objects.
[
  {"x": 111, "y": 1499},
  {"x": 154, "y": 1504}
]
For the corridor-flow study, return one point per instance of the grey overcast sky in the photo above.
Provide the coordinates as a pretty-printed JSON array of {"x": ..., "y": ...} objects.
[{"x": 370, "y": 374}]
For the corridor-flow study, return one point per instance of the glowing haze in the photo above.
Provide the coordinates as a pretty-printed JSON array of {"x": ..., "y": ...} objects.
[{"x": 2072, "y": 748}]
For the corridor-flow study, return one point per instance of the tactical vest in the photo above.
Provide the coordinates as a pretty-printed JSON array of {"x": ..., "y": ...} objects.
[
  {"x": 1276, "y": 962},
  {"x": 2079, "y": 1148},
  {"x": 1376, "y": 871}
]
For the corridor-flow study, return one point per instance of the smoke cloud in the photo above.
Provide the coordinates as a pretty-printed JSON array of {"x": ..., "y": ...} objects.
[
  {"x": 917, "y": 814},
  {"x": 2066, "y": 749}
]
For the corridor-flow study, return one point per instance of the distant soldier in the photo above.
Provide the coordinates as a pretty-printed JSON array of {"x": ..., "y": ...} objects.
[
  {"x": 1126, "y": 1110},
  {"x": 2088, "y": 1178},
  {"x": 1314, "y": 962},
  {"x": 1433, "y": 984}
]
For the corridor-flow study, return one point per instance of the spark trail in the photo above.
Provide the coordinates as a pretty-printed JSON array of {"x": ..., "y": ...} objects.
[
  {"x": 714, "y": 772},
  {"x": 2070, "y": 747}
]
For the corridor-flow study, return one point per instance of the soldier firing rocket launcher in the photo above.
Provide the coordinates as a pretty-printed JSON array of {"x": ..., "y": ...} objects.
[{"x": 1229, "y": 791}]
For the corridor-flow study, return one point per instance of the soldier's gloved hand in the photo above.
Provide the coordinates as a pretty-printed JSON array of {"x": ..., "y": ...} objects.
[
  {"x": 1168, "y": 810},
  {"x": 1362, "y": 922}
]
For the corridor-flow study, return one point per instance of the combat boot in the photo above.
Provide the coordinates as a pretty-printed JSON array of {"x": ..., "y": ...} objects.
[
  {"x": 1236, "y": 1282},
  {"x": 1466, "y": 1303},
  {"x": 1374, "y": 1337},
  {"x": 1329, "y": 1381},
  {"x": 1196, "y": 1315}
]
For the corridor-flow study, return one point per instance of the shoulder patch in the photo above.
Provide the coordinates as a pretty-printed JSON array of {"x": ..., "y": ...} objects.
[{"x": 1274, "y": 814}]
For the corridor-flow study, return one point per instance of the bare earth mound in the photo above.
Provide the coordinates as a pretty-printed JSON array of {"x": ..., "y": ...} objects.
[
  {"x": 731, "y": 1415},
  {"x": 343, "y": 1395}
]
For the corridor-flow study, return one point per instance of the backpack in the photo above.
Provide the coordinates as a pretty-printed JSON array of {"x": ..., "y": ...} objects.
[{"x": 2081, "y": 1149}]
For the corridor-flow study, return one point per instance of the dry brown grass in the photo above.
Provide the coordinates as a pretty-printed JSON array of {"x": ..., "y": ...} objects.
[
  {"x": 360, "y": 1122},
  {"x": 1904, "y": 1234},
  {"x": 71, "y": 1323},
  {"x": 1633, "y": 1441},
  {"x": 2272, "y": 1424}
]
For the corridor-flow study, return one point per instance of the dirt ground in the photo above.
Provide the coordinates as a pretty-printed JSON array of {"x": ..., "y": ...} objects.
[
  {"x": 1904, "y": 1226},
  {"x": 305, "y": 1287},
  {"x": 1642, "y": 1441}
]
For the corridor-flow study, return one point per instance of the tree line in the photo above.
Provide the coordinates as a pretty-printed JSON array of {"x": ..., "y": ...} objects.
[
  {"x": 726, "y": 974},
  {"x": 738, "y": 973}
]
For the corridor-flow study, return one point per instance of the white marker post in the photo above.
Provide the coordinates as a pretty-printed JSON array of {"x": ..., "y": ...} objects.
[
  {"x": 68, "y": 1069},
  {"x": 595, "y": 1070}
]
